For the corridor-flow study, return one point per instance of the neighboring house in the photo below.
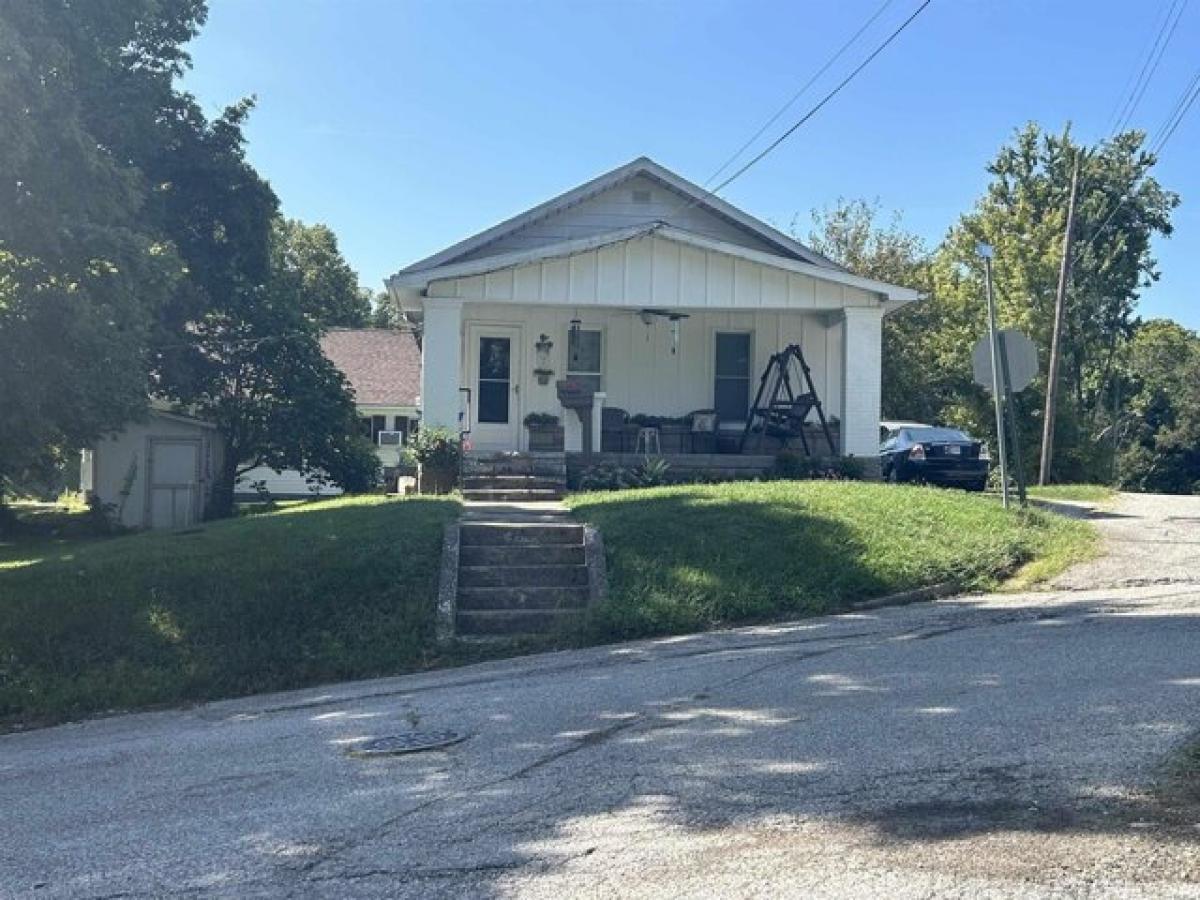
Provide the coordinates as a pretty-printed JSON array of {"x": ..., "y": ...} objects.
[
  {"x": 156, "y": 473},
  {"x": 383, "y": 366},
  {"x": 643, "y": 287}
]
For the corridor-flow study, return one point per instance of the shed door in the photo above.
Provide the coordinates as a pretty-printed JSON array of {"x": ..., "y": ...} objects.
[{"x": 174, "y": 482}]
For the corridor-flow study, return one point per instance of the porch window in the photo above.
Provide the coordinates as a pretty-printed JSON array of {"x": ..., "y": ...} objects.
[
  {"x": 731, "y": 391},
  {"x": 585, "y": 355}
]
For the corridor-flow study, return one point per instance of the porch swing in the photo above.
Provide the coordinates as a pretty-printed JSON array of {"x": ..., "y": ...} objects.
[{"x": 778, "y": 410}]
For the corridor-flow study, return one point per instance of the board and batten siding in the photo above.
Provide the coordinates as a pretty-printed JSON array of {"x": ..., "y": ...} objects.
[
  {"x": 641, "y": 375},
  {"x": 654, "y": 271},
  {"x": 634, "y": 202}
]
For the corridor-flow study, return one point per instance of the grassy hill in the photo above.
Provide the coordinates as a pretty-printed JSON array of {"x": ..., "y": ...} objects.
[
  {"x": 685, "y": 558},
  {"x": 317, "y": 592}
]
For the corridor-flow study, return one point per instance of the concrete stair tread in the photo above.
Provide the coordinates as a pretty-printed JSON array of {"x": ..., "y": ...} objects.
[
  {"x": 504, "y": 555},
  {"x": 512, "y": 623},
  {"x": 572, "y": 574}
]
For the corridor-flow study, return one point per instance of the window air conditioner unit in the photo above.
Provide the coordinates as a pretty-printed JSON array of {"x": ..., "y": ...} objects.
[{"x": 391, "y": 438}]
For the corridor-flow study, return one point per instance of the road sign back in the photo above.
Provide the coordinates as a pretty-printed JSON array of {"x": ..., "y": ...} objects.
[{"x": 1022, "y": 360}]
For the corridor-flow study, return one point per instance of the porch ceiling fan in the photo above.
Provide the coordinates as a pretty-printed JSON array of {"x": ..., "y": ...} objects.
[{"x": 649, "y": 314}]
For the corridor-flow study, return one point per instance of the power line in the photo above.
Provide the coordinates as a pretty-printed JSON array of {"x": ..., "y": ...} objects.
[
  {"x": 821, "y": 103},
  {"x": 796, "y": 96},
  {"x": 1150, "y": 65},
  {"x": 1178, "y": 112}
]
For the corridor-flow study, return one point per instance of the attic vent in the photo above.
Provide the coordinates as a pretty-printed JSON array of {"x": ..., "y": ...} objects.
[{"x": 641, "y": 196}]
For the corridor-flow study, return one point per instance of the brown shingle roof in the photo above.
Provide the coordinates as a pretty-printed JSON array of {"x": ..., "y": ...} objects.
[{"x": 382, "y": 364}]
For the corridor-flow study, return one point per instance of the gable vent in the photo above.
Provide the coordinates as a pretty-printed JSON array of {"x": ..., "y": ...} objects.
[{"x": 641, "y": 196}]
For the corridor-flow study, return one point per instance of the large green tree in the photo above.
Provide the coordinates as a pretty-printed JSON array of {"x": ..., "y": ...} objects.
[
  {"x": 83, "y": 273},
  {"x": 253, "y": 364},
  {"x": 1022, "y": 215},
  {"x": 851, "y": 234},
  {"x": 1158, "y": 429}
]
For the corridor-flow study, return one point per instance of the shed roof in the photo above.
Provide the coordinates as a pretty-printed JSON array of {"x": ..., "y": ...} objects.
[{"x": 383, "y": 365}]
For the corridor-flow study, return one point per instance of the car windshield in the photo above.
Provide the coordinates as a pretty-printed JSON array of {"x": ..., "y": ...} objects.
[{"x": 936, "y": 435}]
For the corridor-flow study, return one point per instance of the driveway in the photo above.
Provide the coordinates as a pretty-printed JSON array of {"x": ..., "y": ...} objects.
[{"x": 1006, "y": 746}]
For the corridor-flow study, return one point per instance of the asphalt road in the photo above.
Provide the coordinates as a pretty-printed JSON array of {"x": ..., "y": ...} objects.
[{"x": 1004, "y": 746}]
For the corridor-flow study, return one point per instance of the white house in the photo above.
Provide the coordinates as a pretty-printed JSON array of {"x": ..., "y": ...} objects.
[
  {"x": 660, "y": 296},
  {"x": 383, "y": 366}
]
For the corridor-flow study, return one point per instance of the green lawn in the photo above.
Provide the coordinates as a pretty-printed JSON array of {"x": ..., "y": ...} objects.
[
  {"x": 685, "y": 558},
  {"x": 1091, "y": 493},
  {"x": 318, "y": 592}
]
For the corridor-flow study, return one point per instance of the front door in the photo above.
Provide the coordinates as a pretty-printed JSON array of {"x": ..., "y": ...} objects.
[{"x": 496, "y": 404}]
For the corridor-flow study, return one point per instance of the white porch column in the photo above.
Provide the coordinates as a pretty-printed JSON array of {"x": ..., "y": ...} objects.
[
  {"x": 862, "y": 340},
  {"x": 441, "y": 364},
  {"x": 598, "y": 399}
]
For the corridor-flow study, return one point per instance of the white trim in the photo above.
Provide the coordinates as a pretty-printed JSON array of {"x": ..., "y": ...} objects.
[
  {"x": 894, "y": 295},
  {"x": 640, "y": 166}
]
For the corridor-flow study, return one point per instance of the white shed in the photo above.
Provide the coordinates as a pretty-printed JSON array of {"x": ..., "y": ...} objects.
[{"x": 157, "y": 473}]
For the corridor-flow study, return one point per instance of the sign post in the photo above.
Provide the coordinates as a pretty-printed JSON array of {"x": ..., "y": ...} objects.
[
  {"x": 1017, "y": 360},
  {"x": 985, "y": 252}
]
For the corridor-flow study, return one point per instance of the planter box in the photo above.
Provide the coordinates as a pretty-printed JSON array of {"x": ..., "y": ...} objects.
[
  {"x": 432, "y": 480},
  {"x": 546, "y": 438}
]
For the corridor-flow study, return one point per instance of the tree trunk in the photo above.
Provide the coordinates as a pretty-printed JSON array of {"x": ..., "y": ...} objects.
[{"x": 220, "y": 504}]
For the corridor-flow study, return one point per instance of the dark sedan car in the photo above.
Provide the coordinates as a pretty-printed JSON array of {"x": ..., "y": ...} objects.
[{"x": 927, "y": 453}]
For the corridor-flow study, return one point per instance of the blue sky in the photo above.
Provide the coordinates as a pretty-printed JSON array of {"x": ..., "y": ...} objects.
[{"x": 406, "y": 126}]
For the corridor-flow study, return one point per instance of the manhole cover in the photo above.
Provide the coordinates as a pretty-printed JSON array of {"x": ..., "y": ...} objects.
[{"x": 412, "y": 742}]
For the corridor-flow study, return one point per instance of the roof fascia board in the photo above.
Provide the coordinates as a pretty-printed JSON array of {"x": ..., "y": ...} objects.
[{"x": 896, "y": 295}]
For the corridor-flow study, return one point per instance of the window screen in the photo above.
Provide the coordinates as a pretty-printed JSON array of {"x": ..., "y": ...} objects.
[{"x": 731, "y": 392}]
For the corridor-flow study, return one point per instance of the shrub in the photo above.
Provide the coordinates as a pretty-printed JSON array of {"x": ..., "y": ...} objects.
[
  {"x": 541, "y": 418},
  {"x": 791, "y": 465},
  {"x": 613, "y": 477},
  {"x": 436, "y": 448}
]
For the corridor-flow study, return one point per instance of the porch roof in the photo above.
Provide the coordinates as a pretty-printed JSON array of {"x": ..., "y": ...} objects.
[{"x": 688, "y": 276}]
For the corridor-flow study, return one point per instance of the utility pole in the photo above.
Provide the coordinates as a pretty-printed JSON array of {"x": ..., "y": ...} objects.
[
  {"x": 985, "y": 251},
  {"x": 1060, "y": 301}
]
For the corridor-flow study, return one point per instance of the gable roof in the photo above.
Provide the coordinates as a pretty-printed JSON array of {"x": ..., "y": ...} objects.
[
  {"x": 642, "y": 166},
  {"x": 892, "y": 295},
  {"x": 383, "y": 365}
]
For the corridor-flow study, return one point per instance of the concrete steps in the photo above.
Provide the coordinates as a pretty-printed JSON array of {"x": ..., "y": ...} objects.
[
  {"x": 514, "y": 487},
  {"x": 520, "y": 576}
]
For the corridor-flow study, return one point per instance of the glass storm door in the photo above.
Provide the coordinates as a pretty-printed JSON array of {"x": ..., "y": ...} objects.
[{"x": 496, "y": 415}]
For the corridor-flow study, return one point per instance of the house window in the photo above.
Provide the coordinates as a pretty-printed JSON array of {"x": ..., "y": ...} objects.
[
  {"x": 371, "y": 426},
  {"x": 731, "y": 390},
  {"x": 400, "y": 424},
  {"x": 585, "y": 355}
]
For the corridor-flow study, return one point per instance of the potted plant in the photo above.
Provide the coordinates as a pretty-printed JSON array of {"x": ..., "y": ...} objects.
[
  {"x": 545, "y": 433},
  {"x": 438, "y": 454}
]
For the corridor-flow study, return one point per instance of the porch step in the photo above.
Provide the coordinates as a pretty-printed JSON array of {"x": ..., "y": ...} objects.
[
  {"x": 519, "y": 555},
  {"x": 491, "y": 534},
  {"x": 514, "y": 495},
  {"x": 525, "y": 599},
  {"x": 512, "y": 482},
  {"x": 512, "y": 623},
  {"x": 553, "y": 465},
  {"x": 572, "y": 574}
]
